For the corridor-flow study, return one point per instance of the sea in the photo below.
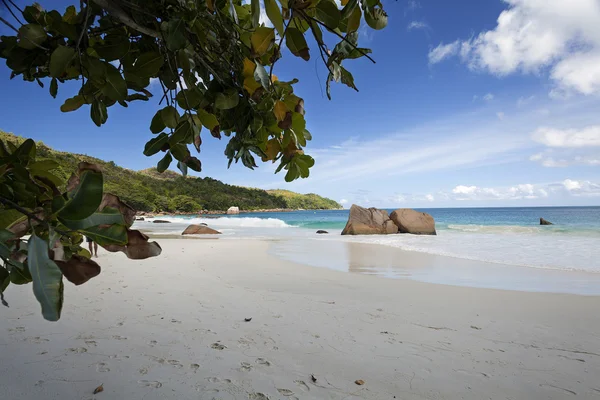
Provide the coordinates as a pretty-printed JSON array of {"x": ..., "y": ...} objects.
[{"x": 502, "y": 248}]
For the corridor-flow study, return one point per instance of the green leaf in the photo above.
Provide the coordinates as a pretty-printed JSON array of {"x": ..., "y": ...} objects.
[
  {"x": 354, "y": 20},
  {"x": 170, "y": 117},
  {"x": 4, "y": 279},
  {"x": 274, "y": 14},
  {"x": 85, "y": 199},
  {"x": 60, "y": 60},
  {"x": 261, "y": 75},
  {"x": 175, "y": 34},
  {"x": 164, "y": 163},
  {"x": 98, "y": 112},
  {"x": 72, "y": 103},
  {"x": 255, "y": 5},
  {"x": 347, "y": 78},
  {"x": 107, "y": 216},
  {"x": 294, "y": 39},
  {"x": 357, "y": 53},
  {"x": 184, "y": 133},
  {"x": 115, "y": 47},
  {"x": 107, "y": 234},
  {"x": 20, "y": 276},
  {"x": 227, "y": 100},
  {"x": 261, "y": 39},
  {"x": 47, "y": 279},
  {"x": 183, "y": 168},
  {"x": 328, "y": 13},
  {"x": 193, "y": 96},
  {"x": 180, "y": 152},
  {"x": 194, "y": 164},
  {"x": 9, "y": 217},
  {"x": 210, "y": 122},
  {"x": 115, "y": 87},
  {"x": 148, "y": 64},
  {"x": 157, "y": 125},
  {"x": 53, "y": 87},
  {"x": 31, "y": 36},
  {"x": 376, "y": 18},
  {"x": 156, "y": 144}
]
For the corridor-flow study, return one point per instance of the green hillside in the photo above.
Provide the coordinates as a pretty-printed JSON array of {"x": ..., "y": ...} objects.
[
  {"x": 308, "y": 201},
  {"x": 149, "y": 190}
]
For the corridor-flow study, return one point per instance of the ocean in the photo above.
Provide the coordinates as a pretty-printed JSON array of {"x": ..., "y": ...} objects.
[{"x": 504, "y": 238}]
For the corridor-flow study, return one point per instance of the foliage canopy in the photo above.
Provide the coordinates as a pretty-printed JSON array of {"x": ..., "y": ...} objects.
[{"x": 214, "y": 60}]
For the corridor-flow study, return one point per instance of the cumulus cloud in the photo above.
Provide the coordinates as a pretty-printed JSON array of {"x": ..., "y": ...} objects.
[
  {"x": 500, "y": 115},
  {"x": 429, "y": 197},
  {"x": 524, "y": 191},
  {"x": 532, "y": 35},
  {"x": 488, "y": 97},
  {"x": 586, "y": 137},
  {"x": 523, "y": 101},
  {"x": 343, "y": 201}
]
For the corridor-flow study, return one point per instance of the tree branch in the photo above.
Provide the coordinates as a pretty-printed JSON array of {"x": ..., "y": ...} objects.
[
  {"x": 279, "y": 49},
  {"x": 5, "y": 22},
  {"x": 118, "y": 13},
  {"x": 11, "y": 11},
  {"x": 30, "y": 215}
]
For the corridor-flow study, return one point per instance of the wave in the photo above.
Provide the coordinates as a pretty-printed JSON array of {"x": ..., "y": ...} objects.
[
  {"x": 226, "y": 222},
  {"x": 498, "y": 228}
]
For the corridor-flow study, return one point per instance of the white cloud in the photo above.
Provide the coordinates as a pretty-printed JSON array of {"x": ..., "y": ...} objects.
[
  {"x": 343, "y": 201},
  {"x": 443, "y": 51},
  {"x": 461, "y": 189},
  {"x": 523, "y": 101},
  {"x": 500, "y": 115},
  {"x": 571, "y": 184},
  {"x": 586, "y": 137},
  {"x": 532, "y": 35},
  {"x": 561, "y": 158},
  {"x": 429, "y": 197},
  {"x": 488, "y": 97},
  {"x": 417, "y": 25}
]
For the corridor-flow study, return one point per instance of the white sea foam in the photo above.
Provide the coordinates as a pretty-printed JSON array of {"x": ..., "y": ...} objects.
[{"x": 225, "y": 222}]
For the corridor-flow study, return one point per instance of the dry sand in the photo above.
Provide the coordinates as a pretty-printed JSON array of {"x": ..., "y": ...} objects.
[{"x": 174, "y": 327}]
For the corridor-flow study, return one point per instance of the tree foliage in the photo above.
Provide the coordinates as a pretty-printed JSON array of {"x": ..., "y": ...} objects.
[
  {"x": 55, "y": 214},
  {"x": 214, "y": 60}
]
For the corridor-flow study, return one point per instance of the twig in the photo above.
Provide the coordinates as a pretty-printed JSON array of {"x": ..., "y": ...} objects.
[
  {"x": 279, "y": 49},
  {"x": 15, "y": 6},
  {"x": 11, "y": 11},
  {"x": 8, "y": 24},
  {"x": 87, "y": 16},
  {"x": 340, "y": 36},
  {"x": 23, "y": 211},
  {"x": 118, "y": 13}
]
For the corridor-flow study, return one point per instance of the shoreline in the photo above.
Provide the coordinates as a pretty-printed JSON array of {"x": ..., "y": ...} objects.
[{"x": 174, "y": 327}]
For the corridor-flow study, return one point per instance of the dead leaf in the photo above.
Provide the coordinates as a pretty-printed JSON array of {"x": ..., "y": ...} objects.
[
  {"x": 359, "y": 382},
  {"x": 110, "y": 200},
  {"x": 99, "y": 389},
  {"x": 78, "y": 269}
]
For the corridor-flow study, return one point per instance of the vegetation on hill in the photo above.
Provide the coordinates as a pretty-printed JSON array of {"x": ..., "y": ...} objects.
[
  {"x": 309, "y": 201},
  {"x": 149, "y": 190}
]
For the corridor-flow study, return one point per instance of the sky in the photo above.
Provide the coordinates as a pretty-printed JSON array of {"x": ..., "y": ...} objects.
[{"x": 471, "y": 103}]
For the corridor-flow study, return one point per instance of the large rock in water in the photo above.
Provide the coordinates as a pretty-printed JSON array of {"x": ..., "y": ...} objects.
[
  {"x": 368, "y": 221},
  {"x": 412, "y": 221},
  {"x": 544, "y": 222},
  {"x": 233, "y": 210},
  {"x": 200, "y": 230}
]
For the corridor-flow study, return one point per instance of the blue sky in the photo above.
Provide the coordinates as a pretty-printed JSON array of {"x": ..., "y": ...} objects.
[{"x": 470, "y": 103}]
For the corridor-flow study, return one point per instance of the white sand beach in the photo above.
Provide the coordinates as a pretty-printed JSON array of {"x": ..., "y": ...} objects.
[{"x": 174, "y": 327}]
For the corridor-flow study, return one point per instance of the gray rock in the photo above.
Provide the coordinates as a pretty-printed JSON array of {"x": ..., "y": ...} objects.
[
  {"x": 544, "y": 222},
  {"x": 368, "y": 221}
]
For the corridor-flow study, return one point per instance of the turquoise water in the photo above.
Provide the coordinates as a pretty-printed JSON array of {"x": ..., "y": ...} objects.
[
  {"x": 503, "y": 236},
  {"x": 573, "y": 220}
]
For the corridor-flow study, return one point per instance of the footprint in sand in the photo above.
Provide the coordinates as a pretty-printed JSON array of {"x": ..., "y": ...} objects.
[
  {"x": 77, "y": 350},
  {"x": 302, "y": 385},
  {"x": 285, "y": 392},
  {"x": 101, "y": 367},
  {"x": 218, "y": 346},
  {"x": 35, "y": 339},
  {"x": 91, "y": 343},
  {"x": 143, "y": 371},
  {"x": 194, "y": 367},
  {"x": 119, "y": 337},
  {"x": 258, "y": 396},
  {"x": 17, "y": 329},
  {"x": 175, "y": 363},
  {"x": 175, "y": 321},
  {"x": 152, "y": 384},
  {"x": 152, "y": 343},
  {"x": 245, "y": 366},
  {"x": 264, "y": 362}
]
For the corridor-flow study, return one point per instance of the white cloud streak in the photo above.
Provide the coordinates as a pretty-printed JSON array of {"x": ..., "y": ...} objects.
[{"x": 586, "y": 137}]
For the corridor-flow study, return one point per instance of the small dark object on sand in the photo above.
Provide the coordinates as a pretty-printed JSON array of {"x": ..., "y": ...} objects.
[
  {"x": 320, "y": 232},
  {"x": 248, "y": 319},
  {"x": 312, "y": 377},
  {"x": 99, "y": 389}
]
